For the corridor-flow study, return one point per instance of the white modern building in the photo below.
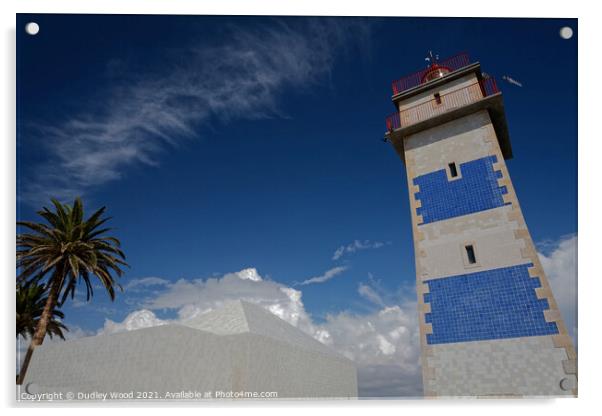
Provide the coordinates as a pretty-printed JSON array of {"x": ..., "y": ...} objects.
[{"x": 237, "y": 351}]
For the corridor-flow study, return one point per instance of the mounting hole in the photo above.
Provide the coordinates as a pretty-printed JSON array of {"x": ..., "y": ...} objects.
[
  {"x": 32, "y": 28},
  {"x": 566, "y": 32},
  {"x": 32, "y": 388},
  {"x": 567, "y": 384}
]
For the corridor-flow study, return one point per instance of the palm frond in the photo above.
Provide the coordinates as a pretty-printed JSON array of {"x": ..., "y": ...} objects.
[
  {"x": 69, "y": 248},
  {"x": 30, "y": 302}
]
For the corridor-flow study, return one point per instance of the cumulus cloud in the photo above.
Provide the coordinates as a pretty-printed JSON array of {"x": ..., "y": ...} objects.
[
  {"x": 559, "y": 260},
  {"x": 135, "y": 320},
  {"x": 357, "y": 245},
  {"x": 324, "y": 277},
  {"x": 193, "y": 297},
  {"x": 384, "y": 345},
  {"x": 135, "y": 120}
]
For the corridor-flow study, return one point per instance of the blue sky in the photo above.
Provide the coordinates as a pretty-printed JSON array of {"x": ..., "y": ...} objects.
[{"x": 225, "y": 143}]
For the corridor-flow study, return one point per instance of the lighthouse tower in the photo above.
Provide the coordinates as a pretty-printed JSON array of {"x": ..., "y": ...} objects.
[{"x": 489, "y": 324}]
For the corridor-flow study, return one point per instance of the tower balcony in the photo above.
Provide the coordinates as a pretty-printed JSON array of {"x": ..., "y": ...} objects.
[
  {"x": 440, "y": 104},
  {"x": 459, "y": 94},
  {"x": 417, "y": 78}
]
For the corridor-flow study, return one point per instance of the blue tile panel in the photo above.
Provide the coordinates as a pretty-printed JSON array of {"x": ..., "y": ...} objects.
[
  {"x": 476, "y": 190},
  {"x": 492, "y": 304}
]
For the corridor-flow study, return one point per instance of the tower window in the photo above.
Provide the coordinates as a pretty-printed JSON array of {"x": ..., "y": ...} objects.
[
  {"x": 453, "y": 170},
  {"x": 472, "y": 259},
  {"x": 438, "y": 98}
]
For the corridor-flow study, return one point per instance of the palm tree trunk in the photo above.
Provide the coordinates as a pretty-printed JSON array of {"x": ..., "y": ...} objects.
[{"x": 38, "y": 336}]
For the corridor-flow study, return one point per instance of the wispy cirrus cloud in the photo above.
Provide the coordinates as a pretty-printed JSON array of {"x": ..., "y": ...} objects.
[
  {"x": 241, "y": 77},
  {"x": 373, "y": 291},
  {"x": 358, "y": 245},
  {"x": 324, "y": 277}
]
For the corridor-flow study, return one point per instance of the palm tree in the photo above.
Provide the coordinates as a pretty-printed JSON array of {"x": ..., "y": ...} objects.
[
  {"x": 65, "y": 251},
  {"x": 31, "y": 300}
]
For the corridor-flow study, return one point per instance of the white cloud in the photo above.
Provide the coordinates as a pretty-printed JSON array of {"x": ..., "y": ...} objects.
[
  {"x": 385, "y": 346},
  {"x": 241, "y": 77},
  {"x": 135, "y": 320},
  {"x": 560, "y": 265},
  {"x": 357, "y": 245},
  {"x": 193, "y": 297},
  {"x": 374, "y": 292},
  {"x": 370, "y": 294},
  {"x": 327, "y": 275}
]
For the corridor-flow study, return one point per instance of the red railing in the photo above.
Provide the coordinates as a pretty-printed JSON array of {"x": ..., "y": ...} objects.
[
  {"x": 442, "y": 104},
  {"x": 452, "y": 63}
]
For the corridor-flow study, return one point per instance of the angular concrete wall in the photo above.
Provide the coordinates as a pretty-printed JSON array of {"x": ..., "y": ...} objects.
[
  {"x": 165, "y": 358},
  {"x": 241, "y": 347},
  {"x": 293, "y": 371}
]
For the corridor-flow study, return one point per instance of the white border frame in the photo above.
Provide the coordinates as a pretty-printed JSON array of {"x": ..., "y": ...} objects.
[{"x": 589, "y": 178}]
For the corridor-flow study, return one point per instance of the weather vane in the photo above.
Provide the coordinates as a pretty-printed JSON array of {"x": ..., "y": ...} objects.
[{"x": 432, "y": 59}]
